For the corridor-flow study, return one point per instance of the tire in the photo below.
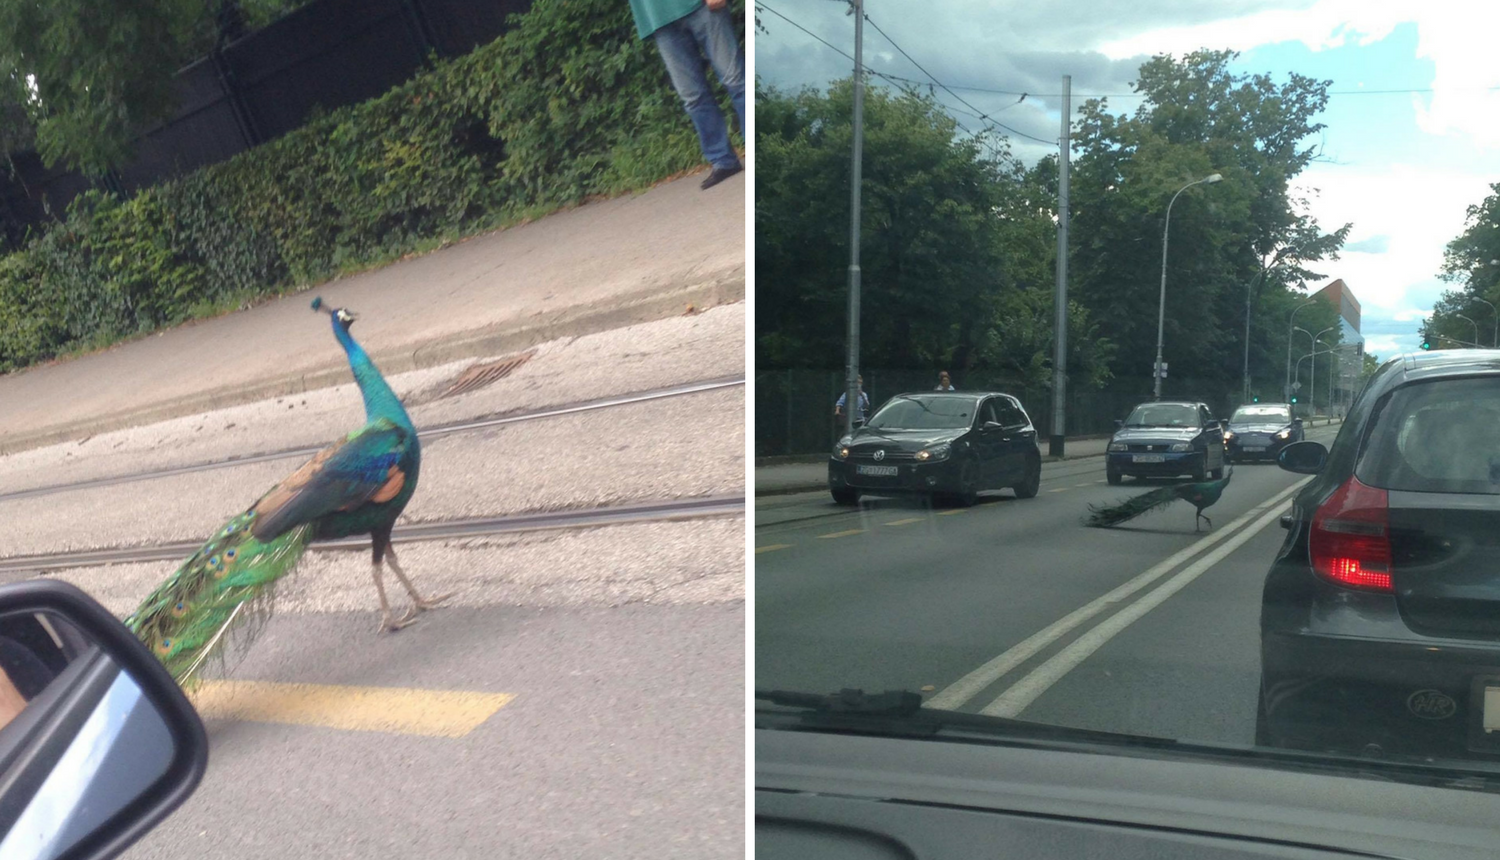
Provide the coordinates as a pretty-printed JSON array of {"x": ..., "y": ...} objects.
[
  {"x": 845, "y": 497},
  {"x": 1111, "y": 476},
  {"x": 1028, "y": 488}
]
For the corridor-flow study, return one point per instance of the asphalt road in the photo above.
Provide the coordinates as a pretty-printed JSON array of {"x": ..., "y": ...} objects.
[
  {"x": 1014, "y": 608},
  {"x": 580, "y": 694}
]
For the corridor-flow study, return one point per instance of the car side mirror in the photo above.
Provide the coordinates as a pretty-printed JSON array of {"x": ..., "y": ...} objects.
[
  {"x": 1297, "y": 421},
  {"x": 1223, "y": 423},
  {"x": 1119, "y": 422},
  {"x": 97, "y": 743},
  {"x": 992, "y": 426},
  {"x": 1305, "y": 458}
]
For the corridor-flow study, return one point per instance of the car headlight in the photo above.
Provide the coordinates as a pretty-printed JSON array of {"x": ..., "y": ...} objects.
[
  {"x": 841, "y": 451},
  {"x": 1182, "y": 446},
  {"x": 1285, "y": 434},
  {"x": 1228, "y": 435},
  {"x": 1118, "y": 446},
  {"x": 936, "y": 452}
]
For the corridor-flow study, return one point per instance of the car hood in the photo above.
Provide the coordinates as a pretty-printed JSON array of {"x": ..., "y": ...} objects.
[
  {"x": 1156, "y": 434},
  {"x": 903, "y": 440},
  {"x": 1260, "y": 427}
]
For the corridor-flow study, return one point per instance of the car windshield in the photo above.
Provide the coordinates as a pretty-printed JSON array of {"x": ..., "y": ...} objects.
[
  {"x": 1261, "y": 414},
  {"x": 1114, "y": 562},
  {"x": 924, "y": 413},
  {"x": 1163, "y": 415}
]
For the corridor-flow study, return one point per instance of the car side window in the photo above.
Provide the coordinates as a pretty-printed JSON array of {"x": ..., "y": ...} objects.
[{"x": 1011, "y": 415}]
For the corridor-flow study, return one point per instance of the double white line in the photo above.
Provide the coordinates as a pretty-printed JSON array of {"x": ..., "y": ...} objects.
[{"x": 1021, "y": 694}]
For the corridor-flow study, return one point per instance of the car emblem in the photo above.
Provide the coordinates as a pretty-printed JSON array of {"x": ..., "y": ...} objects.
[
  {"x": 880, "y": 454},
  {"x": 1431, "y": 705}
]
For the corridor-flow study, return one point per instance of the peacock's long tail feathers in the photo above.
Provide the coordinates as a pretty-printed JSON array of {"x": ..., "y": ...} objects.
[
  {"x": 226, "y": 583},
  {"x": 1104, "y": 516}
]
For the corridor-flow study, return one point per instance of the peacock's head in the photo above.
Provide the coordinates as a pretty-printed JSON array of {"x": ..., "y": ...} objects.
[{"x": 344, "y": 316}]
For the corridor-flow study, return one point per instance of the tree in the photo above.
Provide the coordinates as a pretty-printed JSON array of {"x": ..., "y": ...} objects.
[
  {"x": 956, "y": 252},
  {"x": 1472, "y": 260},
  {"x": 1247, "y": 233}
]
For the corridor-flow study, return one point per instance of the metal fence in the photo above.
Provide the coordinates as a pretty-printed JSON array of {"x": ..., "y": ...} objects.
[
  {"x": 324, "y": 55},
  {"x": 794, "y": 408}
]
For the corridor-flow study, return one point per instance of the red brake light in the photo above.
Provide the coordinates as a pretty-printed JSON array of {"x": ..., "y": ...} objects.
[{"x": 1350, "y": 541}]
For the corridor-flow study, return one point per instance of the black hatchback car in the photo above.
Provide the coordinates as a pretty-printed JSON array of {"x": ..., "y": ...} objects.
[
  {"x": 940, "y": 443},
  {"x": 1380, "y": 618},
  {"x": 1258, "y": 431}
]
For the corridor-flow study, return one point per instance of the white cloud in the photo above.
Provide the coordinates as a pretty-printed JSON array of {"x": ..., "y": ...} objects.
[{"x": 1455, "y": 35}]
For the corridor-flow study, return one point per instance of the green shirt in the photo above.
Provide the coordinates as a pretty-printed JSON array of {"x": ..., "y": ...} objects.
[{"x": 652, "y": 15}]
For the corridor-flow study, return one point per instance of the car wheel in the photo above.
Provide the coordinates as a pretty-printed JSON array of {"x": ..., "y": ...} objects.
[
  {"x": 1028, "y": 488},
  {"x": 1200, "y": 471},
  {"x": 1111, "y": 476},
  {"x": 845, "y": 497}
]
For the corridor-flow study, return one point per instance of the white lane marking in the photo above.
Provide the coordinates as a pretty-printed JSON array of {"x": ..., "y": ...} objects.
[
  {"x": 965, "y": 688},
  {"x": 1025, "y": 691}
]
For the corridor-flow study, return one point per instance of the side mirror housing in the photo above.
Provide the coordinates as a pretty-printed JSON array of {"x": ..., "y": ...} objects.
[
  {"x": 991, "y": 426},
  {"x": 1305, "y": 458},
  {"x": 97, "y": 743},
  {"x": 1119, "y": 422}
]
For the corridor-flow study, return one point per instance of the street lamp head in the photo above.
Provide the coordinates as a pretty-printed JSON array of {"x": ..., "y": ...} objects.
[{"x": 1213, "y": 177}]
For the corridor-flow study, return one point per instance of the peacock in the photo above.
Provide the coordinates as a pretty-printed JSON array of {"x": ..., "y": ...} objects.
[
  {"x": 356, "y": 486},
  {"x": 1200, "y": 495}
]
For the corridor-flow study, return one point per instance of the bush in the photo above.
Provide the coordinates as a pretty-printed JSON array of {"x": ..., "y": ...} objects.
[{"x": 569, "y": 104}]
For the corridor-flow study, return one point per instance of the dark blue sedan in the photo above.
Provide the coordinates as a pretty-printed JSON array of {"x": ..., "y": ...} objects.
[
  {"x": 1165, "y": 439},
  {"x": 1258, "y": 431}
]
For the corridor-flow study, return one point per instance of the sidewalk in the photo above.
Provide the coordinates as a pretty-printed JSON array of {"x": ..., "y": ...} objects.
[{"x": 597, "y": 267}]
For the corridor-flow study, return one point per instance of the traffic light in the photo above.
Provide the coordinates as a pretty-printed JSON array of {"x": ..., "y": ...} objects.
[
  {"x": 1427, "y": 344},
  {"x": 1294, "y": 398},
  {"x": 1255, "y": 399}
]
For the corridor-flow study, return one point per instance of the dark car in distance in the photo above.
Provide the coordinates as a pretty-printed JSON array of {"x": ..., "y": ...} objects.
[
  {"x": 1380, "y": 617},
  {"x": 1258, "y": 431},
  {"x": 942, "y": 444},
  {"x": 1166, "y": 438}
]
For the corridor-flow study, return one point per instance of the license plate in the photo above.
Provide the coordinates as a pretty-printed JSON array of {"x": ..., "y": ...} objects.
[
  {"x": 1491, "y": 709},
  {"x": 1253, "y": 449},
  {"x": 1148, "y": 458},
  {"x": 877, "y": 471}
]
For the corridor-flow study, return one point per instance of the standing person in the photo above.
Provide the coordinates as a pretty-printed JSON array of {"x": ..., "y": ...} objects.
[
  {"x": 864, "y": 404},
  {"x": 944, "y": 383},
  {"x": 688, "y": 32}
]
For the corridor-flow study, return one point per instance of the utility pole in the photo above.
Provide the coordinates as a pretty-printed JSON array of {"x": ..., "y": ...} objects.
[
  {"x": 1060, "y": 337},
  {"x": 851, "y": 383}
]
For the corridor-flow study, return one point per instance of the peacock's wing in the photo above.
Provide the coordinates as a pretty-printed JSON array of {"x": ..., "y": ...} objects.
[
  {"x": 364, "y": 467},
  {"x": 1103, "y": 516}
]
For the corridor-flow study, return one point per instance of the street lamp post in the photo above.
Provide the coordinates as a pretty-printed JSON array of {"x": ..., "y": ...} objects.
[
  {"x": 1290, "y": 327},
  {"x": 851, "y": 380},
  {"x": 1161, "y": 308},
  {"x": 1494, "y": 341},
  {"x": 1472, "y": 323},
  {"x": 1312, "y": 373}
]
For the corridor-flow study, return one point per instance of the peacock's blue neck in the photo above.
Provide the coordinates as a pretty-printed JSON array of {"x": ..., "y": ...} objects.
[{"x": 380, "y": 400}]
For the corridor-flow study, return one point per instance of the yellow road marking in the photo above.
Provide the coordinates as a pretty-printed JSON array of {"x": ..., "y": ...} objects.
[
  {"x": 771, "y": 546},
  {"x": 436, "y": 713},
  {"x": 1059, "y": 490},
  {"x": 842, "y": 534},
  {"x": 1100, "y": 481},
  {"x": 905, "y": 522},
  {"x": 952, "y": 512},
  {"x": 1075, "y": 486}
]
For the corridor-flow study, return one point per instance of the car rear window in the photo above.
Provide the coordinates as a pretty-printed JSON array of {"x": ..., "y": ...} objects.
[{"x": 1437, "y": 437}]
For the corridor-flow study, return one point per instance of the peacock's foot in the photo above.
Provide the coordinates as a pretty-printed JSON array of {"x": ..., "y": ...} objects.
[
  {"x": 421, "y": 603},
  {"x": 388, "y": 623}
]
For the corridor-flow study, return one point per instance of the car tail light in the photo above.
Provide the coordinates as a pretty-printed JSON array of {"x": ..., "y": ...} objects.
[{"x": 1350, "y": 541}]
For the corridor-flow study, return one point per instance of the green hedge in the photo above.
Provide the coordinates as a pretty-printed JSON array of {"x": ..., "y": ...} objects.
[{"x": 569, "y": 104}]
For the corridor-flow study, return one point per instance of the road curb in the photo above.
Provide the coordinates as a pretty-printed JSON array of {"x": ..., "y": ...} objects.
[{"x": 650, "y": 305}]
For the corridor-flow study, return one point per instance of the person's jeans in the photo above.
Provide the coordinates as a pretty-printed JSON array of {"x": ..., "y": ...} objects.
[{"x": 683, "y": 45}]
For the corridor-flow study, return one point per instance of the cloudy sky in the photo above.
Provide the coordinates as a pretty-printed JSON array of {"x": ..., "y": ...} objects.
[{"x": 1413, "y": 133}]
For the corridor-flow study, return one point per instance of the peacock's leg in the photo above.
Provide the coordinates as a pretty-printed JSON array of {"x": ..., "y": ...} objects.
[
  {"x": 418, "y": 602},
  {"x": 1205, "y": 519},
  {"x": 387, "y": 621}
]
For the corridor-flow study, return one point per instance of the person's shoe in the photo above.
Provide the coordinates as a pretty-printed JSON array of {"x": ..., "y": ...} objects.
[{"x": 719, "y": 174}]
